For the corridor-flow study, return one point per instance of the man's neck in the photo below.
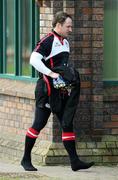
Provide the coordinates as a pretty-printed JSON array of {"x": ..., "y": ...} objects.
[{"x": 57, "y": 33}]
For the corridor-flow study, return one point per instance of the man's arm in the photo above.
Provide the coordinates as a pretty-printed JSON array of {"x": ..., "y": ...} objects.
[{"x": 36, "y": 62}]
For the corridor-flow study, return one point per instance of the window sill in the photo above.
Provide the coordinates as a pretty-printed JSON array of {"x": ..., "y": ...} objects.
[
  {"x": 109, "y": 83},
  {"x": 17, "y": 88}
]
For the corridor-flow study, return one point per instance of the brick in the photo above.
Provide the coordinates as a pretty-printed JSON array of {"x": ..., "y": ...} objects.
[
  {"x": 68, "y": 4},
  {"x": 97, "y": 30},
  {"x": 7, "y": 110},
  {"x": 101, "y": 144},
  {"x": 98, "y": 3},
  {"x": 9, "y": 104},
  {"x": 109, "y": 138},
  {"x": 57, "y": 160},
  {"x": 87, "y": 37},
  {"x": 111, "y": 124},
  {"x": 98, "y": 122},
  {"x": 83, "y": 152},
  {"x": 96, "y": 57},
  {"x": 97, "y": 17},
  {"x": 115, "y": 151},
  {"x": 85, "y": 71},
  {"x": 70, "y": 11},
  {"x": 60, "y": 152},
  {"x": 111, "y": 144},
  {"x": 97, "y": 70},
  {"x": 110, "y": 158},
  {"x": 86, "y": 50},
  {"x": 91, "y": 144},
  {"x": 85, "y": 84},
  {"x": 83, "y": 17},
  {"x": 42, "y": 10},
  {"x": 56, "y": 146},
  {"x": 114, "y": 117},
  {"x": 84, "y": 4},
  {"x": 97, "y": 98},
  {"x": 51, "y": 153},
  {"x": 81, "y": 145},
  {"x": 88, "y": 31},
  {"x": 97, "y": 11},
  {"x": 84, "y": 98},
  {"x": 97, "y": 37},
  {"x": 97, "y": 51},
  {"x": 97, "y": 88},
  {"x": 114, "y": 131},
  {"x": 102, "y": 152},
  {"x": 47, "y": 10},
  {"x": 92, "y": 158},
  {"x": 116, "y": 144},
  {"x": 97, "y": 44},
  {"x": 87, "y": 11}
]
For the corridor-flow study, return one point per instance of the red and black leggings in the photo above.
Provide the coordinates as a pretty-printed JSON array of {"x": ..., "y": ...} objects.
[
  {"x": 68, "y": 136},
  {"x": 41, "y": 118}
]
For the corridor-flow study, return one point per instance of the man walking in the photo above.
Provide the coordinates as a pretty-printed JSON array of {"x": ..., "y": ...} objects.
[{"x": 50, "y": 59}]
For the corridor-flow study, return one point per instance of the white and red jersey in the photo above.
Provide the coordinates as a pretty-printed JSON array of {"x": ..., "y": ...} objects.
[{"x": 51, "y": 51}]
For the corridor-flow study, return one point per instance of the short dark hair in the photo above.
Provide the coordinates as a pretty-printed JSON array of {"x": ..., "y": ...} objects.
[{"x": 60, "y": 17}]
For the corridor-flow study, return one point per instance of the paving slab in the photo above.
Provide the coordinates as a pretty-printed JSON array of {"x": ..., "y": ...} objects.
[{"x": 15, "y": 171}]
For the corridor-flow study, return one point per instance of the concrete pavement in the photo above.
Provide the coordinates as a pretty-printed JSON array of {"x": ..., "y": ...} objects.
[{"x": 12, "y": 170}]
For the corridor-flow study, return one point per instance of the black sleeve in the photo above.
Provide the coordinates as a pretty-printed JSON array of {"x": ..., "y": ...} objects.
[{"x": 44, "y": 46}]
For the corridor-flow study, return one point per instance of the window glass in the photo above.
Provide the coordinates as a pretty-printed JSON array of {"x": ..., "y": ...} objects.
[
  {"x": 26, "y": 37},
  {"x": 9, "y": 37},
  {"x": 19, "y": 30},
  {"x": 111, "y": 40}
]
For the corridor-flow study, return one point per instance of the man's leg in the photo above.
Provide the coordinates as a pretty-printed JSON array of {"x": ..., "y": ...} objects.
[
  {"x": 41, "y": 118},
  {"x": 68, "y": 139}
]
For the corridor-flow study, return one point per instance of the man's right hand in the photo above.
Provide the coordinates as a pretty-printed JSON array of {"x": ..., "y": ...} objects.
[{"x": 53, "y": 75}]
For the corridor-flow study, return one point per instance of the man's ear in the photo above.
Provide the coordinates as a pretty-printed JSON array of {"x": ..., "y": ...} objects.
[{"x": 58, "y": 25}]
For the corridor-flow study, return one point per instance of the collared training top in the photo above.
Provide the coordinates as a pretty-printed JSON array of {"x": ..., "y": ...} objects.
[{"x": 51, "y": 51}]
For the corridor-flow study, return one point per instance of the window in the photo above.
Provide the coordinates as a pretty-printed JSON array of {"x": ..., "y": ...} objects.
[
  {"x": 18, "y": 36},
  {"x": 111, "y": 40}
]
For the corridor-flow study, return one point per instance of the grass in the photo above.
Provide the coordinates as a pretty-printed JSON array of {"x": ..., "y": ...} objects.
[
  {"x": 24, "y": 176},
  {"x": 7, "y": 178}
]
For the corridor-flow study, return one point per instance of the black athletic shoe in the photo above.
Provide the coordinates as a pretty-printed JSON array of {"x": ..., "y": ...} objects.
[
  {"x": 78, "y": 165},
  {"x": 27, "y": 165}
]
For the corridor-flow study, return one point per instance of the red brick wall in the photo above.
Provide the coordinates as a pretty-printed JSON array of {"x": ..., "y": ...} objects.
[
  {"x": 17, "y": 108},
  {"x": 110, "y": 110}
]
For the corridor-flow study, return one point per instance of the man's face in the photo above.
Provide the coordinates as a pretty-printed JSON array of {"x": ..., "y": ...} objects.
[{"x": 66, "y": 27}]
